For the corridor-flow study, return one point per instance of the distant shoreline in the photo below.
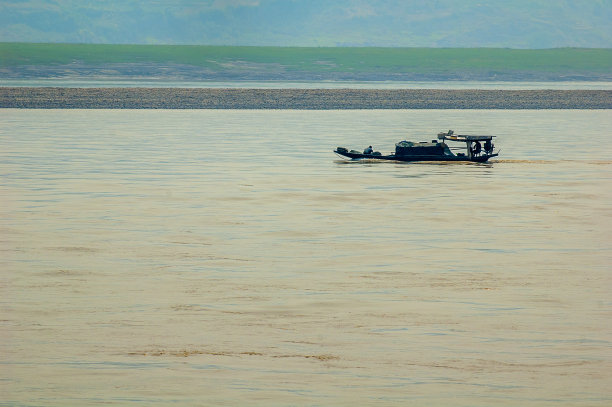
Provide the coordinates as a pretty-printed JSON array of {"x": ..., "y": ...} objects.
[{"x": 306, "y": 99}]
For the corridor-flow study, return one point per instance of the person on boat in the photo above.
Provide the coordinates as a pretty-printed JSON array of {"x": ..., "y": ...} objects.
[
  {"x": 476, "y": 149},
  {"x": 368, "y": 150},
  {"x": 488, "y": 147}
]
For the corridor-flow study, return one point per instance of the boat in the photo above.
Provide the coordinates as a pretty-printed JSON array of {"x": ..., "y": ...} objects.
[{"x": 476, "y": 149}]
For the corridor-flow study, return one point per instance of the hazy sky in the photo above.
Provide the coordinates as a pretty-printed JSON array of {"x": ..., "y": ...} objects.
[{"x": 426, "y": 23}]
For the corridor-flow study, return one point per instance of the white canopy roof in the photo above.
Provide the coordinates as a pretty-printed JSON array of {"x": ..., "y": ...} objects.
[{"x": 461, "y": 137}]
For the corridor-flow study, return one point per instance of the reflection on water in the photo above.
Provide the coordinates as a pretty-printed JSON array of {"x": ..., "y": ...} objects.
[{"x": 230, "y": 258}]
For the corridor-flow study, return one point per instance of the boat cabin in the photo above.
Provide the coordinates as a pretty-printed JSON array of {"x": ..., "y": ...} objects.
[
  {"x": 409, "y": 148},
  {"x": 475, "y": 146}
]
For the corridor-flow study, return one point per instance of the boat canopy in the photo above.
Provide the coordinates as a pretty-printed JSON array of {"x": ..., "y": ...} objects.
[
  {"x": 404, "y": 148},
  {"x": 450, "y": 135}
]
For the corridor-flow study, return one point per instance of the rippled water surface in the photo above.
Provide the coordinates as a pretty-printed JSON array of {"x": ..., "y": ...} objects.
[{"x": 230, "y": 258}]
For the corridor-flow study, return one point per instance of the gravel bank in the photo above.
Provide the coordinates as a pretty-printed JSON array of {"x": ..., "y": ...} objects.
[{"x": 178, "y": 98}]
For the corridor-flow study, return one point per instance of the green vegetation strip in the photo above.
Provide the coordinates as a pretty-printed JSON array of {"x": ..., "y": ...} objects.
[{"x": 353, "y": 60}]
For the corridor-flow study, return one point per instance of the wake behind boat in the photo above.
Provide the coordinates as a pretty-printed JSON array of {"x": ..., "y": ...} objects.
[{"x": 476, "y": 149}]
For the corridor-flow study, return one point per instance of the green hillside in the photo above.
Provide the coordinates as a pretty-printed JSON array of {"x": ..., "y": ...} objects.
[{"x": 274, "y": 61}]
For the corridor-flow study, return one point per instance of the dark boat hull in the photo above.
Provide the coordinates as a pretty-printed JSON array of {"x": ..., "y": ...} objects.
[{"x": 410, "y": 158}]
